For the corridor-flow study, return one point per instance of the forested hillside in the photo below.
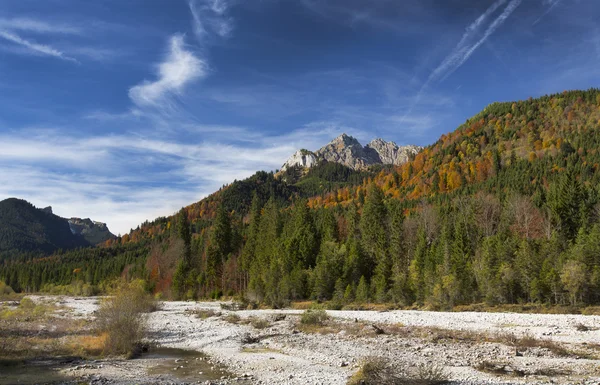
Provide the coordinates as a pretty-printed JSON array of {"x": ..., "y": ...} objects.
[
  {"x": 25, "y": 228},
  {"x": 504, "y": 210}
]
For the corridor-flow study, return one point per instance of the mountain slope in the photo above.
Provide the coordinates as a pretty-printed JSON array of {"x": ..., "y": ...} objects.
[
  {"x": 24, "y": 227},
  {"x": 502, "y": 210}
]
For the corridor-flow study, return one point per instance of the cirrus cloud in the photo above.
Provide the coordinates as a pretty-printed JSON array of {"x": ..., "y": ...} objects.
[{"x": 180, "y": 68}]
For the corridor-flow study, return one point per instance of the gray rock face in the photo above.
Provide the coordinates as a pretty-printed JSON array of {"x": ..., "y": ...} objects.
[
  {"x": 302, "y": 158},
  {"x": 91, "y": 231},
  {"x": 391, "y": 153},
  {"x": 348, "y": 151}
]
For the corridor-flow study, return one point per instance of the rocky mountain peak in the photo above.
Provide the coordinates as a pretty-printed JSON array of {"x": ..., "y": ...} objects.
[
  {"x": 301, "y": 158},
  {"x": 345, "y": 140},
  {"x": 348, "y": 151},
  {"x": 93, "y": 232}
]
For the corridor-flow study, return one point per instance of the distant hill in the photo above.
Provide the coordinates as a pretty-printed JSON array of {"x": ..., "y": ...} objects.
[{"x": 25, "y": 228}]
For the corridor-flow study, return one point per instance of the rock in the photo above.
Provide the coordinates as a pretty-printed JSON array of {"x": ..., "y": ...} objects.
[
  {"x": 391, "y": 153},
  {"x": 301, "y": 158},
  {"x": 348, "y": 151},
  {"x": 92, "y": 231}
]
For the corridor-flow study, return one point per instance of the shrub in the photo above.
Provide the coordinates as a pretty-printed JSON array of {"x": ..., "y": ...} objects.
[
  {"x": 206, "y": 313},
  {"x": 582, "y": 327},
  {"x": 374, "y": 371},
  {"x": 314, "y": 317},
  {"x": 232, "y": 318},
  {"x": 432, "y": 373},
  {"x": 5, "y": 289},
  {"x": 27, "y": 303},
  {"x": 123, "y": 320},
  {"x": 260, "y": 323}
]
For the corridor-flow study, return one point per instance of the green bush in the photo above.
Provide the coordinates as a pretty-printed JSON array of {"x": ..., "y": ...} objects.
[
  {"x": 314, "y": 317},
  {"x": 27, "y": 303},
  {"x": 5, "y": 289}
]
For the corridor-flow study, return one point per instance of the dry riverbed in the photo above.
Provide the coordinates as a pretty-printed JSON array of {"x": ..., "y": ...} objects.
[{"x": 203, "y": 343}]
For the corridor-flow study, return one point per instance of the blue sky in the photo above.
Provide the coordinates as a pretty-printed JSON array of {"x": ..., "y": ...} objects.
[{"x": 126, "y": 110}]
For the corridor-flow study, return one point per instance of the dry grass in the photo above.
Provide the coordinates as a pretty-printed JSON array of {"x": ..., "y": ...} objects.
[
  {"x": 580, "y": 327},
  {"x": 88, "y": 345},
  {"x": 374, "y": 371},
  {"x": 528, "y": 341},
  {"x": 432, "y": 373},
  {"x": 205, "y": 313},
  {"x": 302, "y": 305},
  {"x": 440, "y": 335},
  {"x": 234, "y": 306},
  {"x": 506, "y": 369},
  {"x": 379, "y": 371},
  {"x": 259, "y": 323},
  {"x": 232, "y": 318},
  {"x": 247, "y": 349},
  {"x": 33, "y": 330}
]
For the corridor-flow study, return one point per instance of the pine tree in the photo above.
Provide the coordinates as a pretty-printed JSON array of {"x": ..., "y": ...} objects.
[
  {"x": 565, "y": 200},
  {"x": 362, "y": 291}
]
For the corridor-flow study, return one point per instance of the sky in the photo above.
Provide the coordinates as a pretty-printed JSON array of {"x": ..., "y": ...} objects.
[{"x": 123, "y": 111}]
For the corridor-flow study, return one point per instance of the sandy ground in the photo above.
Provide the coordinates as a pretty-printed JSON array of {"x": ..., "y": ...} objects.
[{"x": 285, "y": 355}]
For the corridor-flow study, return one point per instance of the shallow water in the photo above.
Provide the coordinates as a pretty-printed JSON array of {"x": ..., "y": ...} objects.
[
  {"x": 159, "y": 364},
  {"x": 187, "y": 365},
  {"x": 31, "y": 372}
]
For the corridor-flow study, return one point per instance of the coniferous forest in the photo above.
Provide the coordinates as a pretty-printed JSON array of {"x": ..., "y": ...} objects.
[{"x": 503, "y": 210}]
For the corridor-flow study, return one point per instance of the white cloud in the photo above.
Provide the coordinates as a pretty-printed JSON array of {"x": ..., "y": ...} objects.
[
  {"x": 35, "y": 48},
  {"x": 125, "y": 179},
  {"x": 180, "y": 68},
  {"x": 210, "y": 16},
  {"x": 39, "y": 26}
]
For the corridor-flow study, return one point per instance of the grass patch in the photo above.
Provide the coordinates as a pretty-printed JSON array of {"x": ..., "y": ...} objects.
[
  {"x": 379, "y": 371},
  {"x": 500, "y": 368},
  {"x": 33, "y": 329},
  {"x": 247, "y": 349},
  {"x": 528, "y": 341},
  {"x": 232, "y": 318},
  {"x": 374, "y": 371},
  {"x": 259, "y": 323},
  {"x": 234, "y": 306},
  {"x": 580, "y": 327},
  {"x": 205, "y": 313}
]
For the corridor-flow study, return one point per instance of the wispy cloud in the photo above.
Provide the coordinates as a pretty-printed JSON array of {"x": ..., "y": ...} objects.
[
  {"x": 474, "y": 36},
  {"x": 35, "y": 48},
  {"x": 550, "y": 5},
  {"x": 180, "y": 68},
  {"x": 472, "y": 39},
  {"x": 39, "y": 26},
  {"x": 210, "y": 16}
]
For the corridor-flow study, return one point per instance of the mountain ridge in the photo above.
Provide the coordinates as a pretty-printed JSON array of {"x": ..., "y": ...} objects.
[
  {"x": 347, "y": 150},
  {"x": 26, "y": 228}
]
